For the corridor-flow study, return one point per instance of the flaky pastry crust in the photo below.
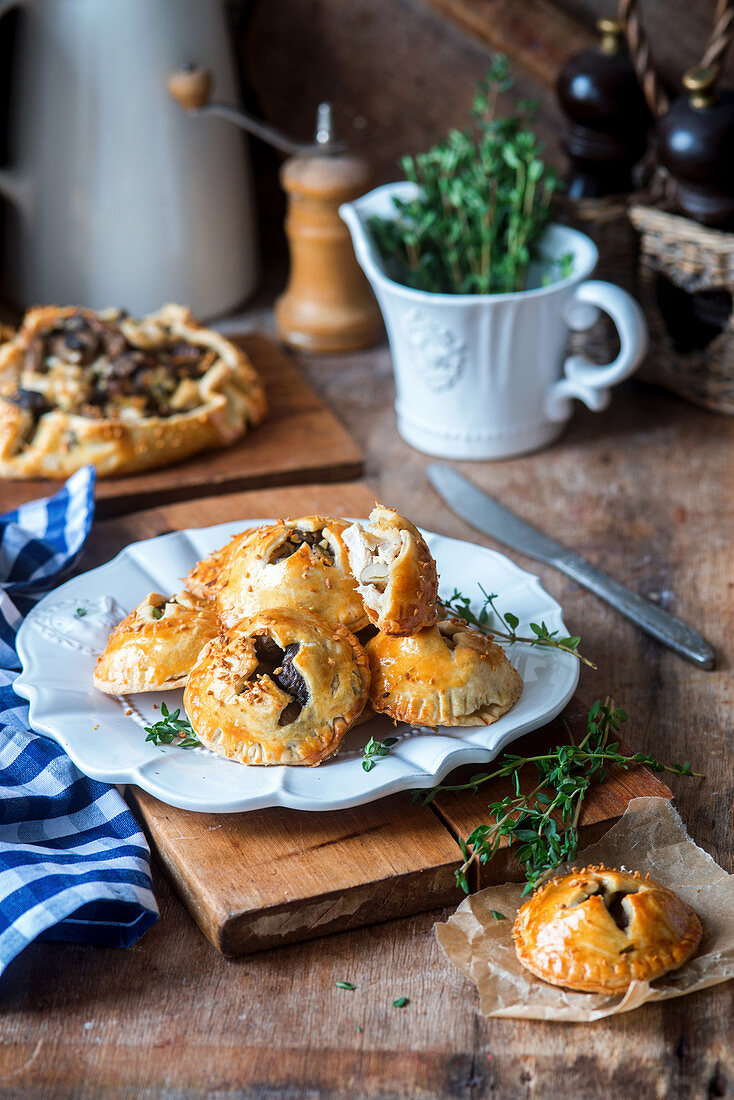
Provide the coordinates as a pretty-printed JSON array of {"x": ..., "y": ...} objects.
[
  {"x": 446, "y": 675},
  {"x": 394, "y": 570},
  {"x": 156, "y": 645},
  {"x": 299, "y": 563},
  {"x": 598, "y": 929},
  {"x": 280, "y": 687},
  {"x": 80, "y": 387}
]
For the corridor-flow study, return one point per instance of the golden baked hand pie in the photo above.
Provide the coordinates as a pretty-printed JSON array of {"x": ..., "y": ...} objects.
[
  {"x": 280, "y": 687},
  {"x": 394, "y": 570},
  {"x": 81, "y": 387},
  {"x": 299, "y": 563},
  {"x": 204, "y": 578},
  {"x": 154, "y": 648},
  {"x": 598, "y": 929},
  {"x": 446, "y": 675}
]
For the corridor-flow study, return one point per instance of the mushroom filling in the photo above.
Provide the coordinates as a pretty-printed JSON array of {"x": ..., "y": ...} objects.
[
  {"x": 296, "y": 538},
  {"x": 277, "y": 664},
  {"x": 116, "y": 371},
  {"x": 378, "y": 556},
  {"x": 366, "y": 634},
  {"x": 612, "y": 899}
]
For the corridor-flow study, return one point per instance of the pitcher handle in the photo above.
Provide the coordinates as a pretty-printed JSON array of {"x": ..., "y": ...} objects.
[{"x": 582, "y": 378}]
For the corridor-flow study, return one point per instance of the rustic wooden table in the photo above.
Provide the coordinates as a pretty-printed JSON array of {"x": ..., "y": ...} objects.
[{"x": 645, "y": 491}]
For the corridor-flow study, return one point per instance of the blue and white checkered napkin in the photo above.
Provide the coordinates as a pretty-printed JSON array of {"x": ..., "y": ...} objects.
[{"x": 73, "y": 863}]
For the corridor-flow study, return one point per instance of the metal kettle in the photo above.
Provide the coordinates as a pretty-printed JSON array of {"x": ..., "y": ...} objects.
[{"x": 115, "y": 196}]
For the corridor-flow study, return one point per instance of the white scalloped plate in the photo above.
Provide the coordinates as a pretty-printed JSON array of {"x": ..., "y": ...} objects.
[{"x": 104, "y": 734}]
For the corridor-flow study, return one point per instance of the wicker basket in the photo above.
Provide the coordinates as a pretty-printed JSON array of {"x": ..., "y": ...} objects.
[
  {"x": 606, "y": 221},
  {"x": 678, "y": 252}
]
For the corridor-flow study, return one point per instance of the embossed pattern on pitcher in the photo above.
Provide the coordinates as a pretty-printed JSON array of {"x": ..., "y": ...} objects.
[{"x": 442, "y": 354}]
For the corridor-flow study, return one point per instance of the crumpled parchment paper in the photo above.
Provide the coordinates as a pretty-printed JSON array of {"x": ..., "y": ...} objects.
[{"x": 650, "y": 837}]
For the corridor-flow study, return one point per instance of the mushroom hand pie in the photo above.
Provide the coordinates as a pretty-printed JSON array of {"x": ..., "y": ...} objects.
[
  {"x": 300, "y": 563},
  {"x": 154, "y": 648},
  {"x": 81, "y": 387},
  {"x": 394, "y": 570},
  {"x": 446, "y": 675},
  {"x": 280, "y": 687},
  {"x": 596, "y": 930},
  {"x": 204, "y": 578}
]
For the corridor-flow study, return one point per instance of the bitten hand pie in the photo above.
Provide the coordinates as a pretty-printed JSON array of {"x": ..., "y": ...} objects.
[
  {"x": 81, "y": 387},
  {"x": 394, "y": 570},
  {"x": 597, "y": 929},
  {"x": 280, "y": 687},
  {"x": 154, "y": 648},
  {"x": 299, "y": 563},
  {"x": 446, "y": 675}
]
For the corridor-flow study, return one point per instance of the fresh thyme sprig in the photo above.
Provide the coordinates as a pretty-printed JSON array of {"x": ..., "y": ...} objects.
[
  {"x": 482, "y": 204},
  {"x": 374, "y": 748},
  {"x": 545, "y": 821},
  {"x": 171, "y": 728},
  {"x": 542, "y": 636}
]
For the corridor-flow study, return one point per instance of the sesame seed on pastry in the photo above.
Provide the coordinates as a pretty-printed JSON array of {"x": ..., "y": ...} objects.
[
  {"x": 155, "y": 646},
  {"x": 394, "y": 570},
  {"x": 280, "y": 687},
  {"x": 446, "y": 675},
  {"x": 598, "y": 929},
  {"x": 299, "y": 563}
]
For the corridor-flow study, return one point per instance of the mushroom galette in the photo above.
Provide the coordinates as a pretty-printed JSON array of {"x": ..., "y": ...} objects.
[
  {"x": 394, "y": 570},
  {"x": 154, "y": 648},
  {"x": 81, "y": 387},
  {"x": 446, "y": 675},
  {"x": 299, "y": 563},
  {"x": 596, "y": 930},
  {"x": 280, "y": 687}
]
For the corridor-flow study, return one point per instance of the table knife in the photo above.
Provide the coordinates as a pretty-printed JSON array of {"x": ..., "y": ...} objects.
[{"x": 490, "y": 517}]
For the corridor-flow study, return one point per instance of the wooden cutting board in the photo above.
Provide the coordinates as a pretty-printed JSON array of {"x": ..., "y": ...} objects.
[
  {"x": 272, "y": 877},
  {"x": 300, "y": 441}
]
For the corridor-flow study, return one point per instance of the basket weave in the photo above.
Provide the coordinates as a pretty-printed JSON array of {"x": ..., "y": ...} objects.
[
  {"x": 606, "y": 221},
  {"x": 693, "y": 258}
]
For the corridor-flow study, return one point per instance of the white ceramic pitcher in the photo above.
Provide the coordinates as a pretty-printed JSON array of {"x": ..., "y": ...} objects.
[
  {"x": 486, "y": 375},
  {"x": 117, "y": 197}
]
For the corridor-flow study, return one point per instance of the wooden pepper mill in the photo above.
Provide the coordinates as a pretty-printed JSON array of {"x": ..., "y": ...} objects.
[
  {"x": 327, "y": 305},
  {"x": 607, "y": 117},
  {"x": 696, "y": 145}
]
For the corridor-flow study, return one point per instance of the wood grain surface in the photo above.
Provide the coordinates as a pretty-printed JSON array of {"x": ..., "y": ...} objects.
[
  {"x": 300, "y": 441},
  {"x": 645, "y": 491},
  {"x": 326, "y": 871}
]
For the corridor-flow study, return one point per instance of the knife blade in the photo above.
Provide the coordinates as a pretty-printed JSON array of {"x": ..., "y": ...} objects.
[{"x": 493, "y": 519}]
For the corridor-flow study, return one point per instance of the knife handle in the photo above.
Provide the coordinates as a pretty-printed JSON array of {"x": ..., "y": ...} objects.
[{"x": 672, "y": 632}]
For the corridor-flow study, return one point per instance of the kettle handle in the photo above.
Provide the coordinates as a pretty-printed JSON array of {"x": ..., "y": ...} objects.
[{"x": 14, "y": 184}]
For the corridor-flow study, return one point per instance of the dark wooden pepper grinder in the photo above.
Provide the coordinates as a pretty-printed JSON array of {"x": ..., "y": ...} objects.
[
  {"x": 607, "y": 119},
  {"x": 696, "y": 145}
]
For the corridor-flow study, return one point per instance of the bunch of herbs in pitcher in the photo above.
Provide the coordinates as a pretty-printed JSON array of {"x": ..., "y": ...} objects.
[{"x": 482, "y": 205}]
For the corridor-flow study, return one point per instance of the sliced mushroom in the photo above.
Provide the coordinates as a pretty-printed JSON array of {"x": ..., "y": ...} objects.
[
  {"x": 377, "y": 573},
  {"x": 296, "y": 538},
  {"x": 75, "y": 343}
]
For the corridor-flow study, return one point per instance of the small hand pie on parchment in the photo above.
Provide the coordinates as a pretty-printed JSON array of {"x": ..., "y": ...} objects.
[
  {"x": 651, "y": 838},
  {"x": 598, "y": 929}
]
